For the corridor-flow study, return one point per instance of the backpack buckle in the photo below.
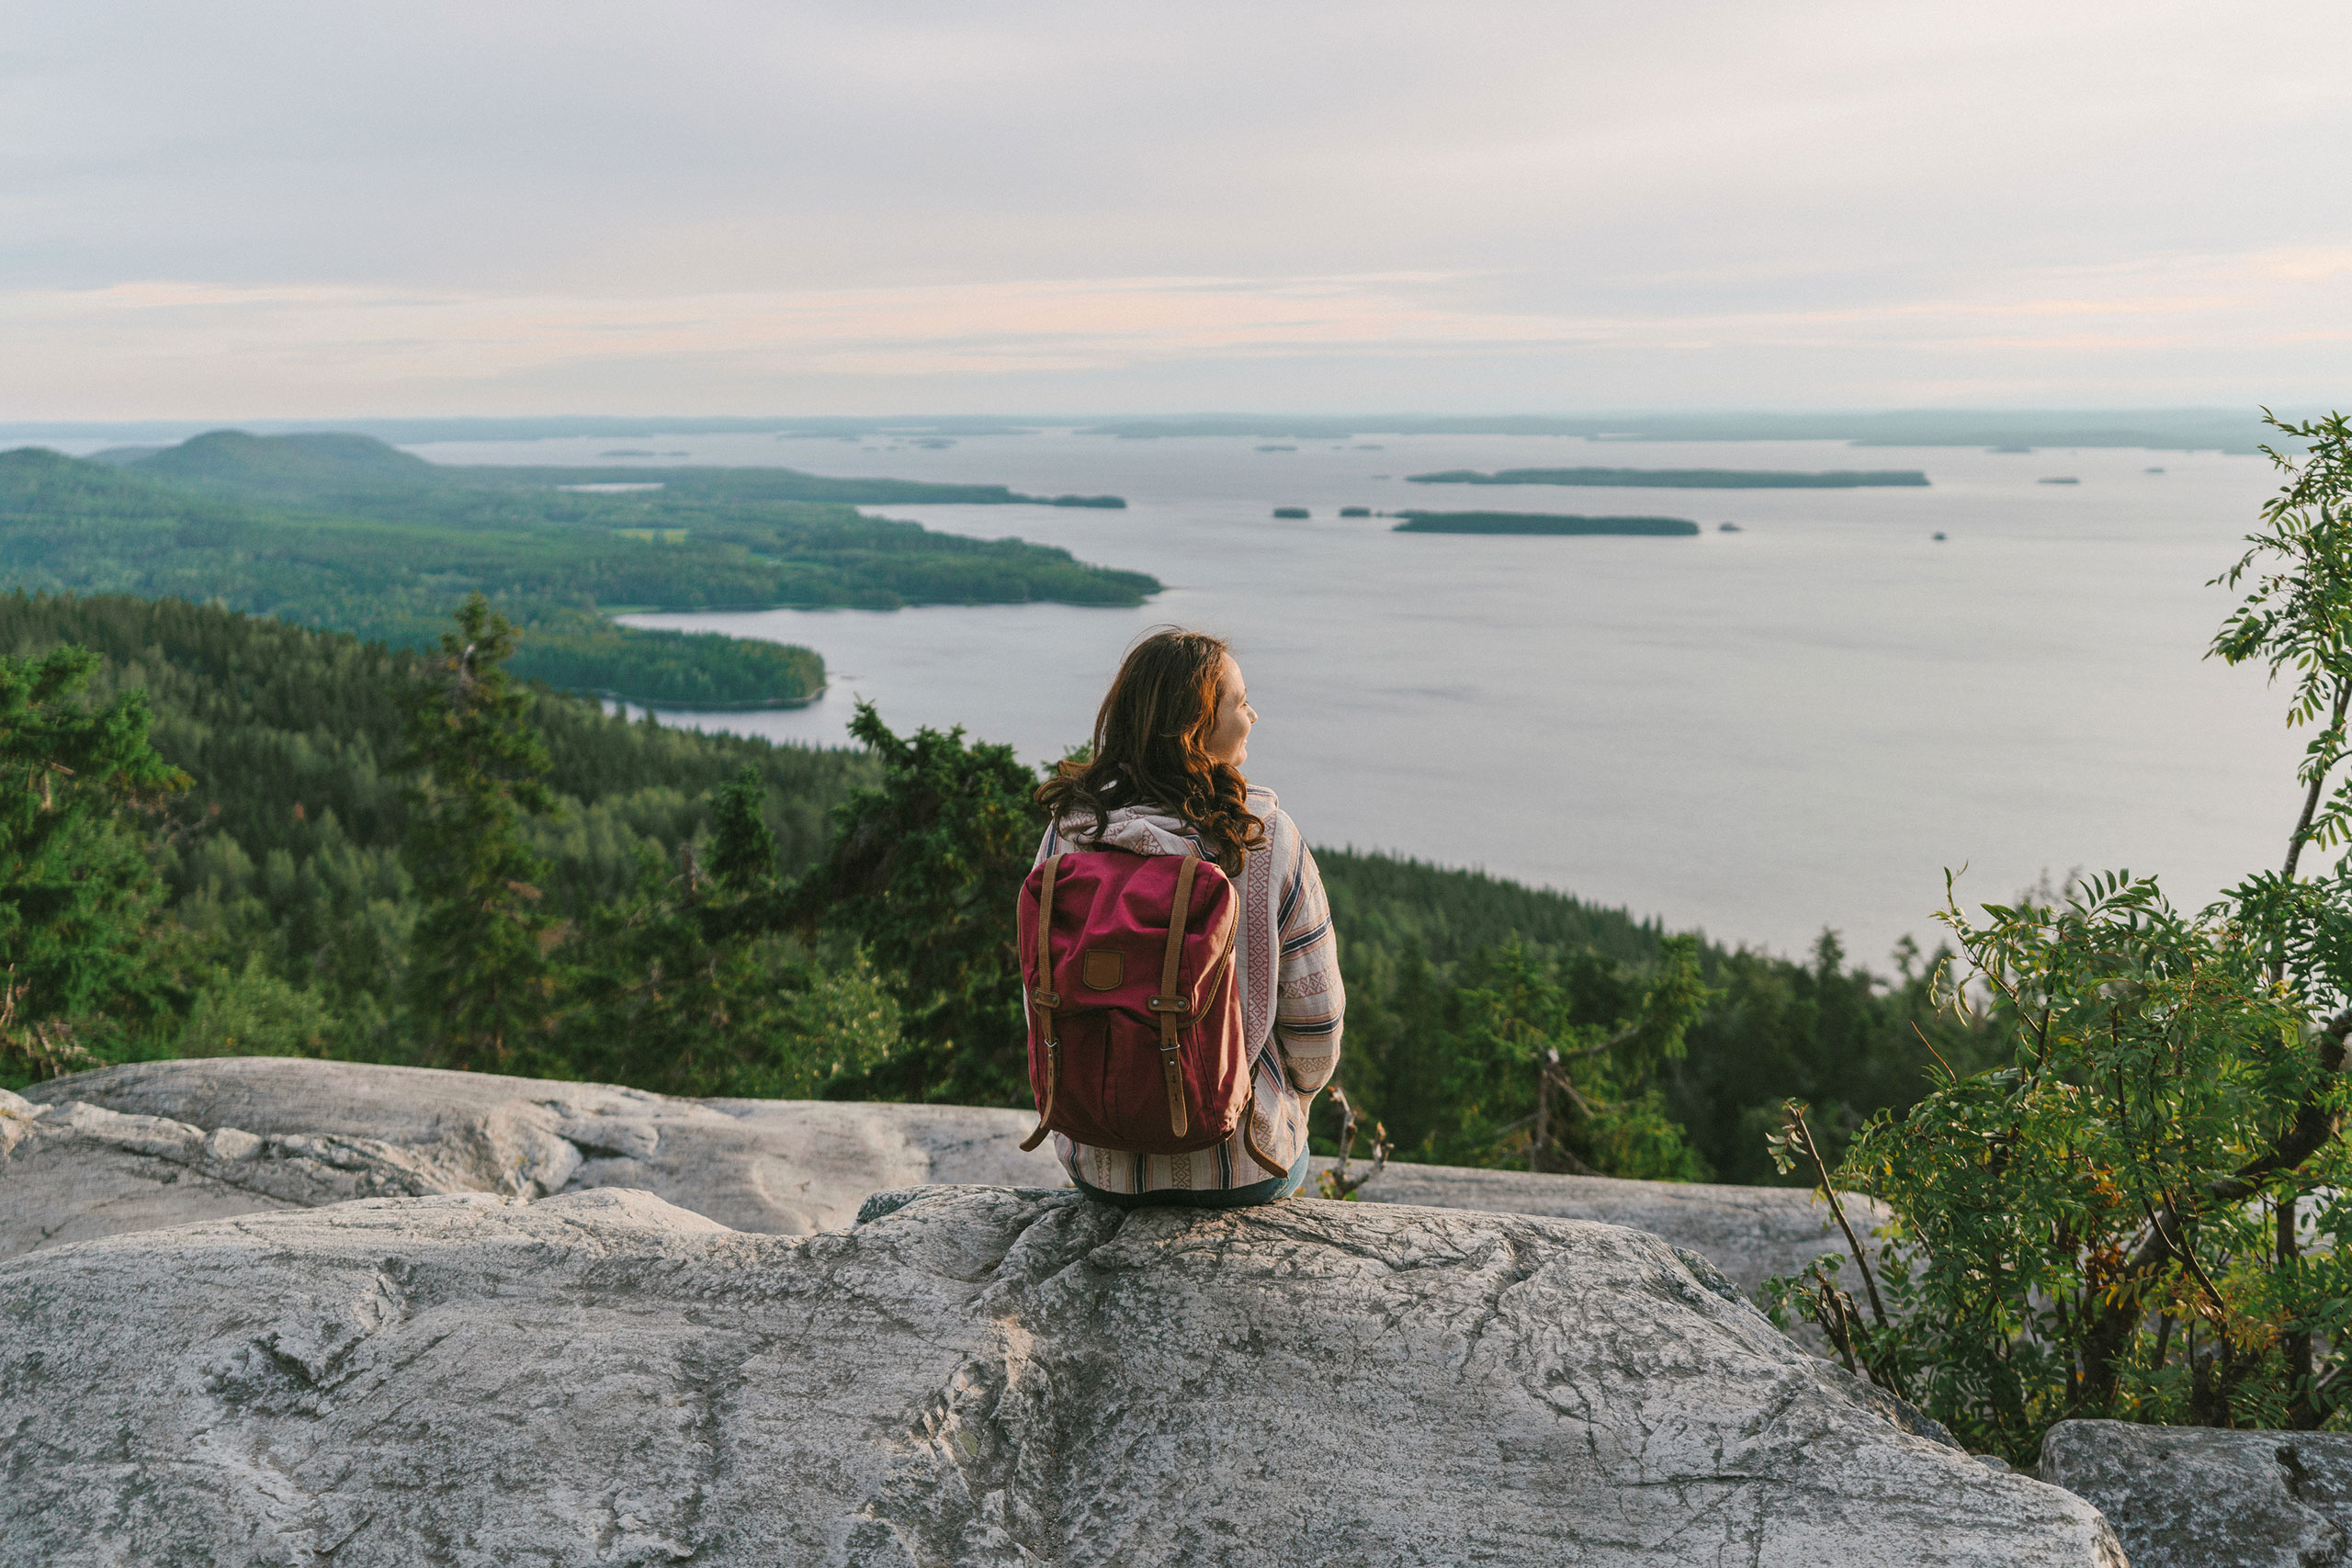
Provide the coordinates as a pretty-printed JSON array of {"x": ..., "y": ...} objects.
[
  {"x": 1045, "y": 999},
  {"x": 1169, "y": 1004}
]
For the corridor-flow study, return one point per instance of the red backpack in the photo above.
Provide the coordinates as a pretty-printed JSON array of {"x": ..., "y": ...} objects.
[{"x": 1136, "y": 1040}]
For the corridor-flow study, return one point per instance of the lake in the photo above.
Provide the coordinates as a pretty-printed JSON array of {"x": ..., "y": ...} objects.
[{"x": 1759, "y": 734}]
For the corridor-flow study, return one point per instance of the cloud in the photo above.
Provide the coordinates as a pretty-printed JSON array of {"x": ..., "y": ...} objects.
[{"x": 447, "y": 207}]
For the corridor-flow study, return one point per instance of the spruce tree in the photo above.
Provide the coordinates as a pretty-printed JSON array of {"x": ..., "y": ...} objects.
[
  {"x": 78, "y": 889},
  {"x": 479, "y": 990},
  {"x": 696, "y": 987}
]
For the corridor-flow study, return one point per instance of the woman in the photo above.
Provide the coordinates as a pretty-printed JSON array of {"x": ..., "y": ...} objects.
[{"x": 1164, "y": 777}]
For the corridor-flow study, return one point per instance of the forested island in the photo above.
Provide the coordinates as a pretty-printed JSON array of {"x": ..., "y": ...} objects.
[
  {"x": 344, "y": 533},
  {"x": 1538, "y": 522},
  {"x": 1680, "y": 479}
]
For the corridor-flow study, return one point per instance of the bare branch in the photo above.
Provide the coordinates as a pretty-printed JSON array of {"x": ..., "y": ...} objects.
[{"x": 1803, "y": 1136}]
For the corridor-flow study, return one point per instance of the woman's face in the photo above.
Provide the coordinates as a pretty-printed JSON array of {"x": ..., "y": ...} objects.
[{"x": 1230, "y": 736}]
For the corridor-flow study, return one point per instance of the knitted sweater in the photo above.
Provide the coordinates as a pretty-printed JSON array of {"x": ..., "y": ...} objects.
[{"x": 1287, "y": 969}]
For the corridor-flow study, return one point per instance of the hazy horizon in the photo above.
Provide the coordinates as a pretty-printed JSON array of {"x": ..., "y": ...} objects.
[{"x": 2154, "y": 425}]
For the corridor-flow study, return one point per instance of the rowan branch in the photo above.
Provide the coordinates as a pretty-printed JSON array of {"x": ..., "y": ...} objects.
[{"x": 2313, "y": 1127}]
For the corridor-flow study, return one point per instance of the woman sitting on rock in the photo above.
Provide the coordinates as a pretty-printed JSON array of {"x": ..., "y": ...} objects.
[{"x": 1164, "y": 778}]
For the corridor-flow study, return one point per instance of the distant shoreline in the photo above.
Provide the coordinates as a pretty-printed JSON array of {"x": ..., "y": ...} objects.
[
  {"x": 2232, "y": 430},
  {"x": 1682, "y": 478},
  {"x": 670, "y": 704}
]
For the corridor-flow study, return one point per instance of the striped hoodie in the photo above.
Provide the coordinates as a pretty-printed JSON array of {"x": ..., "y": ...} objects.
[{"x": 1287, "y": 969}]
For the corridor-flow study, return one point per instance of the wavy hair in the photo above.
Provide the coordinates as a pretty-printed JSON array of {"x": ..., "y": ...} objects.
[{"x": 1150, "y": 748}]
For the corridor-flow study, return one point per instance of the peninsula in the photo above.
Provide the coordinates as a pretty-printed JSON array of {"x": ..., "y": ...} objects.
[
  {"x": 1681, "y": 478},
  {"x": 343, "y": 533},
  {"x": 1538, "y": 522}
]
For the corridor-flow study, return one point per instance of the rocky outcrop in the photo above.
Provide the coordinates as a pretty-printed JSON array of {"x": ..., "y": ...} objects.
[
  {"x": 1751, "y": 1232},
  {"x": 975, "y": 1375},
  {"x": 2203, "y": 1497},
  {"x": 165, "y": 1142}
]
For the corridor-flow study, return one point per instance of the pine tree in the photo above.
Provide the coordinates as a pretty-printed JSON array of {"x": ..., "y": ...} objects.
[
  {"x": 479, "y": 990},
  {"x": 78, "y": 889}
]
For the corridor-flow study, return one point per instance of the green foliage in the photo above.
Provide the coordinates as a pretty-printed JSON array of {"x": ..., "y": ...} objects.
[
  {"x": 287, "y": 848},
  {"x": 477, "y": 976},
  {"x": 2297, "y": 615},
  {"x": 743, "y": 847},
  {"x": 1825, "y": 1032},
  {"x": 360, "y": 470},
  {"x": 77, "y": 893},
  {"x": 252, "y": 1012},
  {"x": 2137, "y": 1214},
  {"x": 1536, "y": 1078},
  {"x": 296, "y": 465},
  {"x": 1413, "y": 936},
  {"x": 922, "y": 872},
  {"x": 1385, "y": 903},
  {"x": 696, "y": 987},
  {"x": 694, "y": 670}
]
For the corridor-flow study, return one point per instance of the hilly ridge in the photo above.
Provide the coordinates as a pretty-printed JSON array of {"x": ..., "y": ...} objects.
[{"x": 355, "y": 469}]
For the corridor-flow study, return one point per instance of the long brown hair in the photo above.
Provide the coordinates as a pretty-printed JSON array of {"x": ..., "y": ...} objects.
[{"x": 1150, "y": 748}]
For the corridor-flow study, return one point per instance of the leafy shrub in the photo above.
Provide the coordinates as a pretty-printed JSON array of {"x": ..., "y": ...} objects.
[{"x": 2142, "y": 1213}]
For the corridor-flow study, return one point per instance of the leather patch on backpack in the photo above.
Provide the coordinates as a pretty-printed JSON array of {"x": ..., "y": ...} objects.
[{"x": 1101, "y": 968}]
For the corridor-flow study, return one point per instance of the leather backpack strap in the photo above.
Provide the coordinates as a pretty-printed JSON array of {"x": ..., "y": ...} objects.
[
  {"x": 1045, "y": 999},
  {"x": 1171, "y": 1006}
]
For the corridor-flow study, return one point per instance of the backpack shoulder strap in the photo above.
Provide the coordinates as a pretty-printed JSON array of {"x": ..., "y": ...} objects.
[
  {"x": 1045, "y": 999},
  {"x": 1171, "y": 1006}
]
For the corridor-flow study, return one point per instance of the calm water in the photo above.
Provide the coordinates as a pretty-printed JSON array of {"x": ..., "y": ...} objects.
[{"x": 1758, "y": 733}]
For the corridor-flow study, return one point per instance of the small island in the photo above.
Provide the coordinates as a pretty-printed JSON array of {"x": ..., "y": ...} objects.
[
  {"x": 1538, "y": 522},
  {"x": 1291, "y": 511},
  {"x": 1681, "y": 478}
]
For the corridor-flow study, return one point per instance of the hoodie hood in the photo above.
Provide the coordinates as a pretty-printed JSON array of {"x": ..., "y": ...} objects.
[{"x": 1151, "y": 831}]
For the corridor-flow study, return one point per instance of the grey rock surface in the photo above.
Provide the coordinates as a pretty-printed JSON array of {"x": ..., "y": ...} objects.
[
  {"x": 2203, "y": 1498},
  {"x": 976, "y": 1375},
  {"x": 1751, "y": 1232},
  {"x": 162, "y": 1142},
  {"x": 165, "y": 1142}
]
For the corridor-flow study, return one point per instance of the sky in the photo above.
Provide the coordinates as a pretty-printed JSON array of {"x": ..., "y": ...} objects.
[{"x": 241, "y": 209}]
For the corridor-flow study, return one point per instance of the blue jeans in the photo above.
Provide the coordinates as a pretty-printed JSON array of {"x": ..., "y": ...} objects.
[{"x": 1272, "y": 1191}]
